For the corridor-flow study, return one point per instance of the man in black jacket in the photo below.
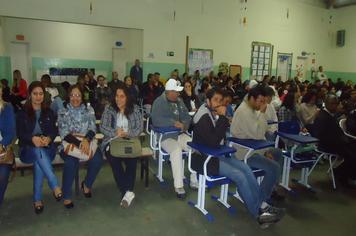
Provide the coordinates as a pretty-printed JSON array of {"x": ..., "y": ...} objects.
[
  {"x": 210, "y": 127},
  {"x": 332, "y": 139}
]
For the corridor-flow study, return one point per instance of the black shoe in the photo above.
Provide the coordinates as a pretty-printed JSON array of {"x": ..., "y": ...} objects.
[
  {"x": 280, "y": 212},
  {"x": 69, "y": 205},
  {"x": 38, "y": 209},
  {"x": 180, "y": 193},
  {"x": 270, "y": 215},
  {"x": 58, "y": 197},
  {"x": 88, "y": 194}
]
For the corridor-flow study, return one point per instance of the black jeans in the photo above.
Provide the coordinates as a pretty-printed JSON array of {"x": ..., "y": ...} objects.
[{"x": 124, "y": 172}]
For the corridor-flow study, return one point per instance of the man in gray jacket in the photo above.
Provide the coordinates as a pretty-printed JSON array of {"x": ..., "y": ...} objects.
[{"x": 169, "y": 110}]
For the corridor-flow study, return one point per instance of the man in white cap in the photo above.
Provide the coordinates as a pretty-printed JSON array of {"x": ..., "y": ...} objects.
[{"x": 169, "y": 110}]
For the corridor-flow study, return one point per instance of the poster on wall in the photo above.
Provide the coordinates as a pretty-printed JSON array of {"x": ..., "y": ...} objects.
[
  {"x": 200, "y": 59},
  {"x": 261, "y": 59}
]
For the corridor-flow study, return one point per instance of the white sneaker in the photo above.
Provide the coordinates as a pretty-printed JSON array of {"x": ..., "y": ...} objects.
[{"x": 127, "y": 199}]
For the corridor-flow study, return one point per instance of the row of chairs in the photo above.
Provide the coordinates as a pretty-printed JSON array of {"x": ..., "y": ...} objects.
[{"x": 287, "y": 131}]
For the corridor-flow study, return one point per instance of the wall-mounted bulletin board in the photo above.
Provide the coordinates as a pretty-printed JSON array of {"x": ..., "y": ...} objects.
[
  {"x": 261, "y": 59},
  {"x": 200, "y": 59}
]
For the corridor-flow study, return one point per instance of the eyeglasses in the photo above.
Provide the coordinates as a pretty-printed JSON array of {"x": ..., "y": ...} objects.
[{"x": 75, "y": 95}]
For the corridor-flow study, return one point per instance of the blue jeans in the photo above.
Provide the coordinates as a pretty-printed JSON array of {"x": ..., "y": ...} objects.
[
  {"x": 4, "y": 179},
  {"x": 247, "y": 186},
  {"x": 71, "y": 168},
  {"x": 42, "y": 168},
  {"x": 271, "y": 168}
]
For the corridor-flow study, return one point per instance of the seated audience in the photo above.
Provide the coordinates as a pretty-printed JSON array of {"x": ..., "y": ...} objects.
[
  {"x": 333, "y": 140},
  {"x": 210, "y": 126},
  {"x": 169, "y": 110},
  {"x": 36, "y": 131},
  {"x": 123, "y": 119}
]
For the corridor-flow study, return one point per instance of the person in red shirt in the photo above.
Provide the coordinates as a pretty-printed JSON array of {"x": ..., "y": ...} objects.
[{"x": 18, "y": 90}]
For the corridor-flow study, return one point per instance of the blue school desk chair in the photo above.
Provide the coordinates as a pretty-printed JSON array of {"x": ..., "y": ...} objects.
[
  {"x": 206, "y": 180},
  {"x": 250, "y": 145}
]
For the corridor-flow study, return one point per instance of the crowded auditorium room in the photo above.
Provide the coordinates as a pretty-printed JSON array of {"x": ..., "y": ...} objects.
[{"x": 178, "y": 117}]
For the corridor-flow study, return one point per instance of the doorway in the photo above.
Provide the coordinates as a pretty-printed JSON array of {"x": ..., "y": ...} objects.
[
  {"x": 284, "y": 65},
  {"x": 119, "y": 57},
  {"x": 20, "y": 60}
]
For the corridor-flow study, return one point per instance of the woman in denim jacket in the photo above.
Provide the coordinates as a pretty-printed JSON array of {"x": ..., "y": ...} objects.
[
  {"x": 76, "y": 118},
  {"x": 36, "y": 130},
  {"x": 122, "y": 119}
]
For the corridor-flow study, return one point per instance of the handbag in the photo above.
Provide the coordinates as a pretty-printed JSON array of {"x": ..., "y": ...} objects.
[
  {"x": 7, "y": 155},
  {"x": 74, "y": 151},
  {"x": 125, "y": 147}
]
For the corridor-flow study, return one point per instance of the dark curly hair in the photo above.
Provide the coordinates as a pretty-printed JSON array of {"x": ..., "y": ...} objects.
[{"x": 129, "y": 108}]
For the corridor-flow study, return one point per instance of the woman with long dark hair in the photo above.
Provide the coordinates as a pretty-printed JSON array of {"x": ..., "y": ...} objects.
[
  {"x": 36, "y": 130},
  {"x": 189, "y": 97},
  {"x": 122, "y": 119}
]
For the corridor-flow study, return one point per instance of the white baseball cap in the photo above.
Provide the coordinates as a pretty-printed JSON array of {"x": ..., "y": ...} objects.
[
  {"x": 252, "y": 84},
  {"x": 173, "y": 85}
]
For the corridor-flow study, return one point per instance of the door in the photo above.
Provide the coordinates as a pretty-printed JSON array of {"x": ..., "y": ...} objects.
[
  {"x": 284, "y": 65},
  {"x": 119, "y": 58},
  {"x": 20, "y": 59}
]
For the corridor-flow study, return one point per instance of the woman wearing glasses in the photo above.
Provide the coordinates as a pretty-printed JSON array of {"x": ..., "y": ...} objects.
[{"x": 75, "y": 120}]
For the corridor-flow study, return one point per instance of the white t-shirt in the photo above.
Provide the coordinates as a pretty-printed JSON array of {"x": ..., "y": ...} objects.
[
  {"x": 122, "y": 122},
  {"x": 192, "y": 104},
  {"x": 321, "y": 76}
]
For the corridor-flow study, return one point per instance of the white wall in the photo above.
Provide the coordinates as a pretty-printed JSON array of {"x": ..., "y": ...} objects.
[
  {"x": 214, "y": 24},
  {"x": 71, "y": 41},
  {"x": 344, "y": 58},
  {"x": 2, "y": 46}
]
